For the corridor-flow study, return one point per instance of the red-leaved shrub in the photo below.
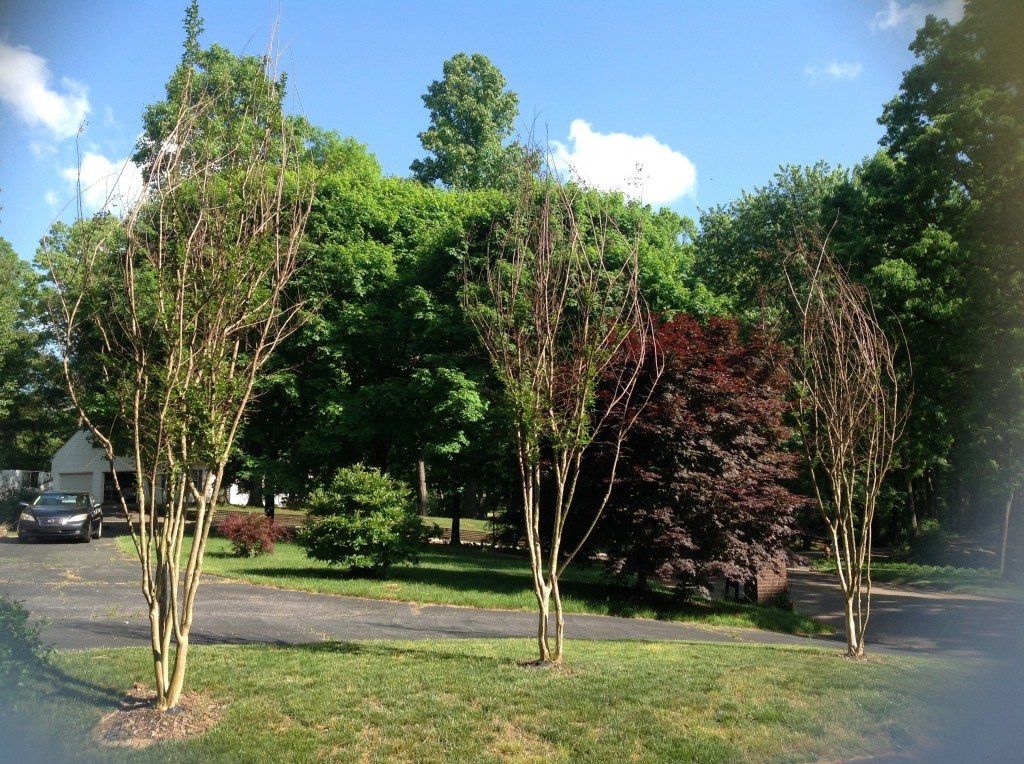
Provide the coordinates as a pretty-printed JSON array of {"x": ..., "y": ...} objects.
[{"x": 252, "y": 534}]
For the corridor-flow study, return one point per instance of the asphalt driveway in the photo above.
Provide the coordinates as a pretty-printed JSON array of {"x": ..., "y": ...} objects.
[{"x": 89, "y": 595}]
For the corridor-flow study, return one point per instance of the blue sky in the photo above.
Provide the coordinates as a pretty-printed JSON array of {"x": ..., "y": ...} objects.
[{"x": 708, "y": 97}]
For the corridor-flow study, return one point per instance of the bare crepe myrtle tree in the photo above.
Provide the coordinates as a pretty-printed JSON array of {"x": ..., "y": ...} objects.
[
  {"x": 558, "y": 308},
  {"x": 167, "y": 317},
  {"x": 850, "y": 413}
]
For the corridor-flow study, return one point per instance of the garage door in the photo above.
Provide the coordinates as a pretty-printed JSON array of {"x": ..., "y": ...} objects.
[{"x": 74, "y": 481}]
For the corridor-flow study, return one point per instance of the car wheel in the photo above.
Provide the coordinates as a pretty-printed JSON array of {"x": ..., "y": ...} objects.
[
  {"x": 23, "y": 537},
  {"x": 98, "y": 533},
  {"x": 87, "y": 536}
]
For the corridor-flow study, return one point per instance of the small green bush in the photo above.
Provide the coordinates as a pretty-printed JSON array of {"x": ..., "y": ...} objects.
[
  {"x": 10, "y": 505},
  {"x": 364, "y": 522},
  {"x": 21, "y": 646}
]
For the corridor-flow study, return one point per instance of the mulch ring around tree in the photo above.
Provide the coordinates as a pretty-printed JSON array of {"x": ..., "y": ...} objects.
[{"x": 137, "y": 723}]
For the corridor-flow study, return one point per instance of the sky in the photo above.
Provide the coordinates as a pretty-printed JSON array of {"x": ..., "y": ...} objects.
[{"x": 682, "y": 104}]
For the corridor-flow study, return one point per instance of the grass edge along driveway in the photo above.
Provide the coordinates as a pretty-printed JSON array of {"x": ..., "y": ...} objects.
[
  {"x": 468, "y": 700},
  {"x": 471, "y": 577},
  {"x": 939, "y": 578}
]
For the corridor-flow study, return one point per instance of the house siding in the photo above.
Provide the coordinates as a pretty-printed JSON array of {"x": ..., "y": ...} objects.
[{"x": 79, "y": 455}]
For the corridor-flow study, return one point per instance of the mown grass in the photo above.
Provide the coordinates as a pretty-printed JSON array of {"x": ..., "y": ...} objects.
[
  {"x": 944, "y": 578},
  {"x": 483, "y": 578},
  {"x": 468, "y": 700},
  {"x": 466, "y": 523}
]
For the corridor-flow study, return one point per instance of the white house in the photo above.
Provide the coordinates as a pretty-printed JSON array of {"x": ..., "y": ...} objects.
[{"x": 79, "y": 465}]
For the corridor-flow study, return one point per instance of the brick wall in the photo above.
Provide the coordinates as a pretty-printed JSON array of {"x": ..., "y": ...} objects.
[{"x": 771, "y": 584}]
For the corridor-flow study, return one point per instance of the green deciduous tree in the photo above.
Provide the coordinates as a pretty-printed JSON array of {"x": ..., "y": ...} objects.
[
  {"x": 35, "y": 413},
  {"x": 957, "y": 131},
  {"x": 472, "y": 116}
]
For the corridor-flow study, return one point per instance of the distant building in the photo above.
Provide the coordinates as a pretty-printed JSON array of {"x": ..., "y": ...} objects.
[{"x": 79, "y": 465}]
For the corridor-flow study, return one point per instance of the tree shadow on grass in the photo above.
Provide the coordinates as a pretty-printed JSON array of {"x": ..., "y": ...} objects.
[
  {"x": 80, "y": 690},
  {"x": 602, "y": 596},
  {"x": 419, "y": 652}
]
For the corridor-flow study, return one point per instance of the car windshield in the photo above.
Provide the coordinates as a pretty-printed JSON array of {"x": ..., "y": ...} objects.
[{"x": 53, "y": 499}]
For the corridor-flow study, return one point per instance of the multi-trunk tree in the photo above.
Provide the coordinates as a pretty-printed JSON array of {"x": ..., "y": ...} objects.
[
  {"x": 558, "y": 305},
  {"x": 850, "y": 411},
  {"x": 167, "y": 317}
]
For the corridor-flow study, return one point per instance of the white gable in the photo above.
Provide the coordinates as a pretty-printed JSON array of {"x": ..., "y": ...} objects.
[{"x": 80, "y": 455}]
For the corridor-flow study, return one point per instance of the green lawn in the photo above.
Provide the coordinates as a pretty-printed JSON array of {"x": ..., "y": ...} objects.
[
  {"x": 474, "y": 577},
  {"x": 467, "y": 700},
  {"x": 466, "y": 523},
  {"x": 939, "y": 578}
]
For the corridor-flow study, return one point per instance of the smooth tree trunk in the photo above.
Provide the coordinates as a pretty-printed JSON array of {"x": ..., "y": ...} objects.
[
  {"x": 911, "y": 507},
  {"x": 456, "y": 512},
  {"x": 641, "y": 580},
  {"x": 854, "y": 643},
  {"x": 256, "y": 493},
  {"x": 269, "y": 502},
  {"x": 1006, "y": 531},
  {"x": 421, "y": 486},
  {"x": 931, "y": 494},
  {"x": 851, "y": 553}
]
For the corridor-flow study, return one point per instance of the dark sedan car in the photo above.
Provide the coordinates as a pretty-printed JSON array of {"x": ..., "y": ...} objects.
[{"x": 61, "y": 514}]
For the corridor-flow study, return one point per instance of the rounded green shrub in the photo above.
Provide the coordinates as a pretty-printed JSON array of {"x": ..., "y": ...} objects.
[{"x": 364, "y": 521}]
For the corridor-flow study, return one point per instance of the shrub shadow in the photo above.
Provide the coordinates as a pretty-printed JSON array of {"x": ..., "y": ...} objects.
[{"x": 601, "y": 595}]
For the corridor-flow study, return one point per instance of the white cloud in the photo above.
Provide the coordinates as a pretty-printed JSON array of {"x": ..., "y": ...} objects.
[
  {"x": 837, "y": 70},
  {"x": 106, "y": 185},
  {"x": 41, "y": 148},
  {"x": 51, "y": 198},
  {"x": 909, "y": 16},
  {"x": 640, "y": 166},
  {"x": 24, "y": 85}
]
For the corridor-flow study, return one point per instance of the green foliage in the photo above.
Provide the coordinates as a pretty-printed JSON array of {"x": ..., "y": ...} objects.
[
  {"x": 10, "y": 505},
  {"x": 741, "y": 246},
  {"x": 35, "y": 415},
  {"x": 236, "y": 98},
  {"x": 21, "y": 646},
  {"x": 364, "y": 522},
  {"x": 471, "y": 115},
  {"x": 931, "y": 544}
]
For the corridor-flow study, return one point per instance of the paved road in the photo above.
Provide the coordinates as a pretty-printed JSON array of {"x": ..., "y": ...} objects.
[
  {"x": 959, "y": 625},
  {"x": 89, "y": 594}
]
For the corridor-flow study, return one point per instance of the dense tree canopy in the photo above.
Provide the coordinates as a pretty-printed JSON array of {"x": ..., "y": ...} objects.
[
  {"x": 958, "y": 128},
  {"x": 387, "y": 371},
  {"x": 35, "y": 414}
]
